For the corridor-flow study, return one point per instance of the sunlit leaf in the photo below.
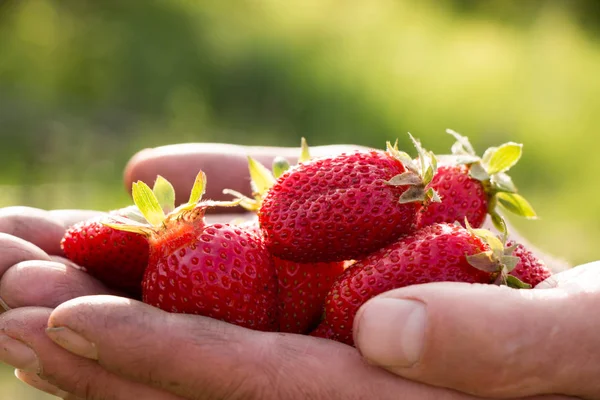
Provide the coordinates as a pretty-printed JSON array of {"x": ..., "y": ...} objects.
[
  {"x": 516, "y": 204},
  {"x": 504, "y": 158},
  {"x": 478, "y": 172},
  {"x": 280, "y": 165},
  {"x": 462, "y": 144},
  {"x": 165, "y": 194},
  {"x": 147, "y": 203},
  {"x": 406, "y": 178},
  {"x": 261, "y": 178},
  {"x": 304, "y": 151},
  {"x": 198, "y": 189}
]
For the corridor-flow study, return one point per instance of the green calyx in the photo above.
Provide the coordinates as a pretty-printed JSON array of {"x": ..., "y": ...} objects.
[
  {"x": 261, "y": 179},
  {"x": 491, "y": 170},
  {"x": 419, "y": 173},
  {"x": 499, "y": 260},
  {"x": 155, "y": 208}
]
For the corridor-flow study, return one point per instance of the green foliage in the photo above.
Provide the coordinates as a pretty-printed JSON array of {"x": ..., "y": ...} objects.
[{"x": 83, "y": 85}]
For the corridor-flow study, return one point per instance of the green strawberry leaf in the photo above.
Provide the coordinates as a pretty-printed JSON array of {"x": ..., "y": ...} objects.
[
  {"x": 198, "y": 189},
  {"x": 509, "y": 250},
  {"x": 244, "y": 201},
  {"x": 483, "y": 261},
  {"x": 458, "y": 159},
  {"x": 434, "y": 163},
  {"x": 131, "y": 213},
  {"x": 488, "y": 155},
  {"x": 514, "y": 282},
  {"x": 462, "y": 146},
  {"x": 165, "y": 194},
  {"x": 478, "y": 172},
  {"x": 280, "y": 165},
  {"x": 496, "y": 246},
  {"x": 509, "y": 262},
  {"x": 503, "y": 158},
  {"x": 140, "y": 230},
  {"x": 146, "y": 201},
  {"x": 304, "y": 152},
  {"x": 401, "y": 156},
  {"x": 412, "y": 194},
  {"x": 405, "y": 179},
  {"x": 501, "y": 182},
  {"x": 433, "y": 195},
  {"x": 428, "y": 176},
  {"x": 516, "y": 204},
  {"x": 261, "y": 178},
  {"x": 497, "y": 221},
  {"x": 427, "y": 162},
  {"x": 420, "y": 152}
]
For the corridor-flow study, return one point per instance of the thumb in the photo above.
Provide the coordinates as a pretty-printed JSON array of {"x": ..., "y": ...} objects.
[{"x": 487, "y": 340}]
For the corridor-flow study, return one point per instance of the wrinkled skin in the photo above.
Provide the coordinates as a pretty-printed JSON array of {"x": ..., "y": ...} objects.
[{"x": 141, "y": 352}]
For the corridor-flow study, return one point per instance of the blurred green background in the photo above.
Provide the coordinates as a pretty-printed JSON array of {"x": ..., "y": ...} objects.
[{"x": 86, "y": 84}]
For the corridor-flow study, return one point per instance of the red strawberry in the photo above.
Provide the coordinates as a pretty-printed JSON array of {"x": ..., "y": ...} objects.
[
  {"x": 302, "y": 288},
  {"x": 302, "y": 291},
  {"x": 439, "y": 252},
  {"x": 529, "y": 269},
  {"x": 462, "y": 196},
  {"x": 218, "y": 271},
  {"x": 344, "y": 207},
  {"x": 116, "y": 258},
  {"x": 471, "y": 187}
]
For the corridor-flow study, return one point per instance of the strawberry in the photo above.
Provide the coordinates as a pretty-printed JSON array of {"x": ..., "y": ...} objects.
[
  {"x": 116, "y": 258},
  {"x": 302, "y": 291},
  {"x": 462, "y": 196},
  {"x": 301, "y": 286},
  {"x": 435, "y": 253},
  {"x": 344, "y": 207},
  {"x": 219, "y": 271},
  {"x": 471, "y": 187},
  {"x": 529, "y": 269}
]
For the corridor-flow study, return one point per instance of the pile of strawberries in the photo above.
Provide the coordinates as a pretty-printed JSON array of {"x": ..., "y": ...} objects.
[{"x": 329, "y": 234}]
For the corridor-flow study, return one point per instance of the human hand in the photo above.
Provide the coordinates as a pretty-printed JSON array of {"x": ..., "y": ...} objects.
[
  {"x": 120, "y": 349},
  {"x": 32, "y": 269},
  {"x": 490, "y": 341},
  {"x": 169, "y": 162}
]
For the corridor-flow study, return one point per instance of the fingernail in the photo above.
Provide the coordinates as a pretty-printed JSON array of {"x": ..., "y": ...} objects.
[
  {"x": 35, "y": 381},
  {"x": 390, "y": 332},
  {"x": 73, "y": 342},
  {"x": 18, "y": 355},
  {"x": 3, "y": 304}
]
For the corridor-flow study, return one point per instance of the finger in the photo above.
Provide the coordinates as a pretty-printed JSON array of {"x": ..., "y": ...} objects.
[
  {"x": 46, "y": 284},
  {"x": 190, "y": 355},
  {"x": 71, "y": 217},
  {"x": 33, "y": 225},
  {"x": 34, "y": 380},
  {"x": 15, "y": 250},
  {"x": 24, "y": 329},
  {"x": 67, "y": 262},
  {"x": 225, "y": 165},
  {"x": 584, "y": 278},
  {"x": 507, "y": 342},
  {"x": 236, "y": 218}
]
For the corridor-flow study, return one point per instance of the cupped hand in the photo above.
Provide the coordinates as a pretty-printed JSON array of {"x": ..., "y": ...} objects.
[
  {"x": 121, "y": 349},
  {"x": 488, "y": 340},
  {"x": 33, "y": 271},
  {"x": 141, "y": 351}
]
